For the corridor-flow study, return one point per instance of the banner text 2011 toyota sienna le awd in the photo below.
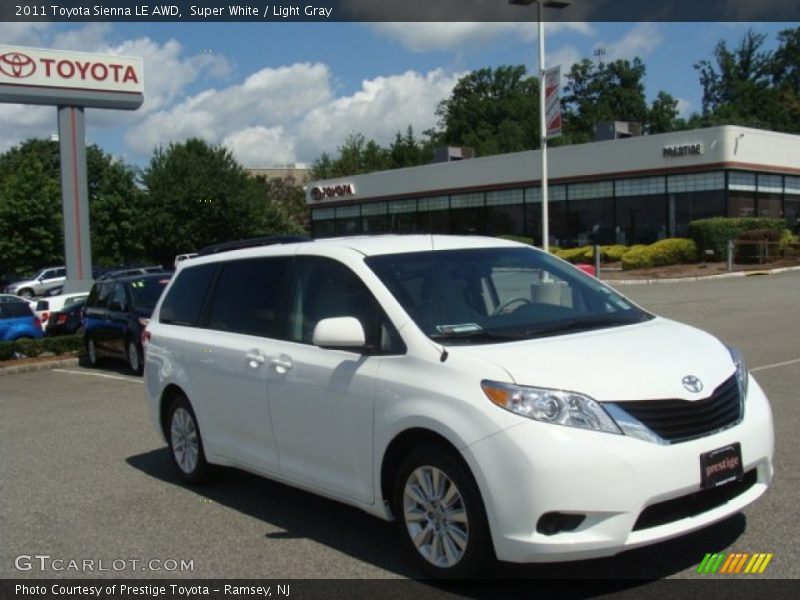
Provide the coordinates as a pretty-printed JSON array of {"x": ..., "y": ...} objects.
[{"x": 492, "y": 399}]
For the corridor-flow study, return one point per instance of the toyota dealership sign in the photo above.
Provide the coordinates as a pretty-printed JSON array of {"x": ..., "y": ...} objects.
[{"x": 32, "y": 75}]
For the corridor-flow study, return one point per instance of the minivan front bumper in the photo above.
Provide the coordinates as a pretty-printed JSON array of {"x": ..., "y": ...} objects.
[{"x": 534, "y": 468}]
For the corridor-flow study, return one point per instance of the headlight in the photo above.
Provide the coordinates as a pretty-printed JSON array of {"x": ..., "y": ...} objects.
[
  {"x": 741, "y": 370},
  {"x": 550, "y": 406}
]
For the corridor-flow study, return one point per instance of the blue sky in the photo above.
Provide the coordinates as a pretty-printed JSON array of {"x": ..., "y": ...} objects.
[{"x": 282, "y": 93}]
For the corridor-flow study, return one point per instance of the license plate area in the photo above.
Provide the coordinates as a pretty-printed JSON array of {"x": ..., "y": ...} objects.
[{"x": 721, "y": 466}]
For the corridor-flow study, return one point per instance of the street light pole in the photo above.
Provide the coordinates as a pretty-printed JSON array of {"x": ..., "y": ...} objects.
[
  {"x": 543, "y": 135},
  {"x": 542, "y": 109}
]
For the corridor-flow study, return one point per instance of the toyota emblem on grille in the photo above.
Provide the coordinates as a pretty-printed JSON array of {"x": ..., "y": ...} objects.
[
  {"x": 692, "y": 383},
  {"x": 17, "y": 65}
]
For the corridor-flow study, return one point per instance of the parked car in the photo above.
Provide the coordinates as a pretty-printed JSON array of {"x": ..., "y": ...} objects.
[
  {"x": 18, "y": 299},
  {"x": 50, "y": 304},
  {"x": 40, "y": 283},
  {"x": 68, "y": 320},
  {"x": 115, "y": 315},
  {"x": 17, "y": 321},
  {"x": 129, "y": 271},
  {"x": 492, "y": 399}
]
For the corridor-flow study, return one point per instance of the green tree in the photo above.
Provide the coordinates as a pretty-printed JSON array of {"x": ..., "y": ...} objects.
[
  {"x": 198, "y": 195},
  {"x": 596, "y": 92},
  {"x": 491, "y": 110},
  {"x": 31, "y": 222},
  {"x": 31, "y": 225},
  {"x": 662, "y": 116},
  {"x": 737, "y": 85}
]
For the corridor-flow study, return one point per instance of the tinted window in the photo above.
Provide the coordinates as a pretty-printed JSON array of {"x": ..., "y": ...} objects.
[
  {"x": 184, "y": 301},
  {"x": 247, "y": 296},
  {"x": 146, "y": 292},
  {"x": 12, "y": 310},
  {"x": 118, "y": 300},
  {"x": 99, "y": 296},
  {"x": 324, "y": 288}
]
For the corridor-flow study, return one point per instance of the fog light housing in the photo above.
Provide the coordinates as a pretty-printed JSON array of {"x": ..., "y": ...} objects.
[{"x": 555, "y": 522}]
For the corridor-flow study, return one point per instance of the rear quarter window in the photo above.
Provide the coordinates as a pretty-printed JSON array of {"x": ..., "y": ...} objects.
[{"x": 184, "y": 302}]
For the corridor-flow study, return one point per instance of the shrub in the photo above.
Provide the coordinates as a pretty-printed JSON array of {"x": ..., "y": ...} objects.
[
  {"x": 613, "y": 253},
  {"x": 714, "y": 233},
  {"x": 577, "y": 255},
  {"x": 671, "y": 251},
  {"x": 30, "y": 348}
]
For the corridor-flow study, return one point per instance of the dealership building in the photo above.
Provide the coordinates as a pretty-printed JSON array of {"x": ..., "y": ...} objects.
[{"x": 631, "y": 190}]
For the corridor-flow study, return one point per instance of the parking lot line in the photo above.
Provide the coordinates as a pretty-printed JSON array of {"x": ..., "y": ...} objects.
[
  {"x": 775, "y": 365},
  {"x": 103, "y": 375}
]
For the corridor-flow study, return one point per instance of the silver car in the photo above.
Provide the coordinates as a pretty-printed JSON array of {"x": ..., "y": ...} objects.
[{"x": 46, "y": 279}]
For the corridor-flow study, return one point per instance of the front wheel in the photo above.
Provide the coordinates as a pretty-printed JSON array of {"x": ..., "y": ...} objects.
[
  {"x": 91, "y": 352},
  {"x": 185, "y": 443},
  {"x": 26, "y": 293},
  {"x": 440, "y": 513}
]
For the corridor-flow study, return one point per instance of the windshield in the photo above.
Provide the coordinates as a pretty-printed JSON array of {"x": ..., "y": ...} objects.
[
  {"x": 146, "y": 292},
  {"x": 499, "y": 294}
]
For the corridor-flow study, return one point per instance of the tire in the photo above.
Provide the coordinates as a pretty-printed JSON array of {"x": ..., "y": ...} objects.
[
  {"x": 135, "y": 356},
  {"x": 185, "y": 442},
  {"x": 26, "y": 293},
  {"x": 448, "y": 520},
  {"x": 92, "y": 359}
]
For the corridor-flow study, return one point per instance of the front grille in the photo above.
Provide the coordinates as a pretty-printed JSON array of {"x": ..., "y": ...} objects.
[
  {"x": 682, "y": 420},
  {"x": 693, "y": 504}
]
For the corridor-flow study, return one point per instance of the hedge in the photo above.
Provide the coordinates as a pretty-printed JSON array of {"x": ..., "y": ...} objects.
[
  {"x": 671, "y": 251},
  {"x": 713, "y": 234},
  {"x": 30, "y": 348}
]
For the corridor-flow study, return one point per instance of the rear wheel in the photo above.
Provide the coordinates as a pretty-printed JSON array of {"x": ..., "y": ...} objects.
[
  {"x": 185, "y": 443},
  {"x": 133, "y": 352},
  {"x": 441, "y": 517}
]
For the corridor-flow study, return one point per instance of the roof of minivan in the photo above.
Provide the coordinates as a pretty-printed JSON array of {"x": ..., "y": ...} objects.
[{"x": 367, "y": 245}]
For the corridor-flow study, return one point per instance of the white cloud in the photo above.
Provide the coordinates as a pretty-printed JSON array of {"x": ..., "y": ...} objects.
[
  {"x": 640, "y": 41},
  {"x": 382, "y": 107},
  {"x": 290, "y": 114},
  {"x": 426, "y": 37},
  {"x": 565, "y": 56},
  {"x": 261, "y": 146},
  {"x": 684, "y": 108},
  {"x": 267, "y": 98},
  {"x": 23, "y": 34}
]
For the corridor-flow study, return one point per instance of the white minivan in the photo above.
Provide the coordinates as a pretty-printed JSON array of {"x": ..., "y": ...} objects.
[{"x": 494, "y": 400}]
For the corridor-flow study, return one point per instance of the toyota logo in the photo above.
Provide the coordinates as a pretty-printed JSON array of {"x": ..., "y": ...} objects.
[
  {"x": 692, "y": 383},
  {"x": 17, "y": 65}
]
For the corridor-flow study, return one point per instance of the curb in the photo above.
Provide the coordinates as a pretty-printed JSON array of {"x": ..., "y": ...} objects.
[
  {"x": 40, "y": 366},
  {"x": 699, "y": 278}
]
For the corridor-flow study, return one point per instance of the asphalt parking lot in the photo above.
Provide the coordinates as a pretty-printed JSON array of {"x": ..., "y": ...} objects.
[{"x": 84, "y": 475}]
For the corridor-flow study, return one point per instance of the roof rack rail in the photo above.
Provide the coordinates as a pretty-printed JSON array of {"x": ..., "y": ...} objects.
[{"x": 252, "y": 243}]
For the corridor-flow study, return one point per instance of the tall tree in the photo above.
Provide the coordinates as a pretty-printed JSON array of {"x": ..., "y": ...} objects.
[
  {"x": 492, "y": 111},
  {"x": 198, "y": 195},
  {"x": 598, "y": 91},
  {"x": 31, "y": 223},
  {"x": 737, "y": 84}
]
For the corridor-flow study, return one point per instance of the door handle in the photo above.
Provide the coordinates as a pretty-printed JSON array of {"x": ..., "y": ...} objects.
[
  {"x": 255, "y": 359},
  {"x": 282, "y": 363}
]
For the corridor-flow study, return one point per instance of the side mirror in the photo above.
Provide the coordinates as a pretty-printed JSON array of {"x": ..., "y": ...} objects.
[{"x": 339, "y": 333}]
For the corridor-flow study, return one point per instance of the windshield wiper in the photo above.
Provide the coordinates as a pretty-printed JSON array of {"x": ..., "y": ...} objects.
[
  {"x": 572, "y": 325},
  {"x": 474, "y": 336}
]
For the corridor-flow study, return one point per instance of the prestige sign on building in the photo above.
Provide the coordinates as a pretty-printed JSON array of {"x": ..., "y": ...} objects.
[{"x": 40, "y": 76}]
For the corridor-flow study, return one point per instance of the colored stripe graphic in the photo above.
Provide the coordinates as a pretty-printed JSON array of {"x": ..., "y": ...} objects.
[{"x": 734, "y": 563}]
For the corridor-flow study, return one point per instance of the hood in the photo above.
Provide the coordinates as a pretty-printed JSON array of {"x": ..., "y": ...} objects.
[{"x": 633, "y": 362}]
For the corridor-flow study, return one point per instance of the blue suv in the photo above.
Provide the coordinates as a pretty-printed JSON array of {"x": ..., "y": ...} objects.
[{"x": 18, "y": 321}]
